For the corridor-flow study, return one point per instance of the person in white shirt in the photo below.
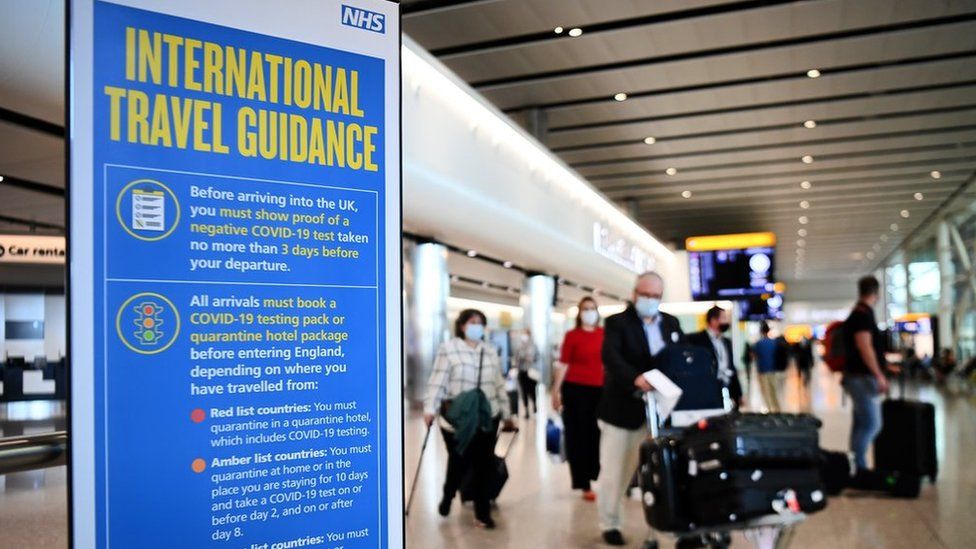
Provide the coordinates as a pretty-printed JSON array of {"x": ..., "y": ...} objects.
[{"x": 464, "y": 363}]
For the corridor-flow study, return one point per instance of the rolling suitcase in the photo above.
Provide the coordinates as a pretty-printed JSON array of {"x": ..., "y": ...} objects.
[
  {"x": 498, "y": 472},
  {"x": 727, "y": 496},
  {"x": 892, "y": 483},
  {"x": 754, "y": 439},
  {"x": 835, "y": 471},
  {"x": 906, "y": 443},
  {"x": 660, "y": 476}
]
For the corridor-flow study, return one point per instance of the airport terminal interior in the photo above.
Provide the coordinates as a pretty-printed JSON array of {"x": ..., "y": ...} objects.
[{"x": 806, "y": 166}]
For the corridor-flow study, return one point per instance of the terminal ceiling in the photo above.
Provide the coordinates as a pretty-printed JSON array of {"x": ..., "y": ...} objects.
[{"x": 723, "y": 89}]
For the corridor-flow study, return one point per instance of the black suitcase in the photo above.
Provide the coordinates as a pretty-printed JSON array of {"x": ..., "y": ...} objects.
[
  {"x": 659, "y": 476},
  {"x": 893, "y": 483},
  {"x": 906, "y": 443},
  {"x": 497, "y": 480},
  {"x": 835, "y": 471},
  {"x": 754, "y": 439},
  {"x": 724, "y": 496}
]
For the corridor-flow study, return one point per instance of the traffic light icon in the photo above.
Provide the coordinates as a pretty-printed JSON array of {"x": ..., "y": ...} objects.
[{"x": 148, "y": 321}]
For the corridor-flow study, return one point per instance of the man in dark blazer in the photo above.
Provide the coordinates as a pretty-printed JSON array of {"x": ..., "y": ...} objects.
[
  {"x": 712, "y": 339},
  {"x": 632, "y": 341}
]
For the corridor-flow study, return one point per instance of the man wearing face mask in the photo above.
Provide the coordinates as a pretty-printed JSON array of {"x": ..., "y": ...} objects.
[
  {"x": 632, "y": 344},
  {"x": 712, "y": 339}
]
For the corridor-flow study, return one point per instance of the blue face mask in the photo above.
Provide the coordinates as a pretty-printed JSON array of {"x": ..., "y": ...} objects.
[
  {"x": 474, "y": 332},
  {"x": 647, "y": 306}
]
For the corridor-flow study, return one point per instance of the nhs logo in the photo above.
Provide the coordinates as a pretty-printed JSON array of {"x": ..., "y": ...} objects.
[{"x": 364, "y": 19}]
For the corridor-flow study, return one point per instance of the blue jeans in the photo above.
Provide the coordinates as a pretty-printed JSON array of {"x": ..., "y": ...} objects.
[{"x": 865, "y": 397}]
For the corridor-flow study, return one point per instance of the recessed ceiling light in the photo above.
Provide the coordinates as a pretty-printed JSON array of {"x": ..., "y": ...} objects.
[
  {"x": 919, "y": 196},
  {"x": 936, "y": 174},
  {"x": 807, "y": 159},
  {"x": 685, "y": 194},
  {"x": 620, "y": 96},
  {"x": 870, "y": 255},
  {"x": 805, "y": 185},
  {"x": 650, "y": 140},
  {"x": 802, "y": 232},
  {"x": 575, "y": 31},
  {"x": 813, "y": 73},
  {"x": 804, "y": 204},
  {"x": 1, "y": 179},
  {"x": 472, "y": 253},
  {"x": 884, "y": 238},
  {"x": 455, "y": 278},
  {"x": 894, "y": 227},
  {"x": 803, "y": 220},
  {"x": 671, "y": 171},
  {"x": 800, "y": 251},
  {"x": 507, "y": 264},
  {"x": 484, "y": 284},
  {"x": 801, "y": 243},
  {"x": 558, "y": 30},
  {"x": 810, "y": 124},
  {"x": 877, "y": 247},
  {"x": 905, "y": 213}
]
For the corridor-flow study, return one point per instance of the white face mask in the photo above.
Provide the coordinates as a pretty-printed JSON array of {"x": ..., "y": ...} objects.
[
  {"x": 589, "y": 317},
  {"x": 647, "y": 306}
]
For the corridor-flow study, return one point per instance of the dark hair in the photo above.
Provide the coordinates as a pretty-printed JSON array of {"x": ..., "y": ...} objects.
[
  {"x": 764, "y": 328},
  {"x": 868, "y": 286},
  {"x": 463, "y": 318},
  {"x": 714, "y": 312},
  {"x": 579, "y": 310}
]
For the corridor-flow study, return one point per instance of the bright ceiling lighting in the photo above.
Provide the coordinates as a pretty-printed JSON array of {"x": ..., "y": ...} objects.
[
  {"x": 558, "y": 30},
  {"x": 800, "y": 251},
  {"x": 805, "y": 185},
  {"x": 801, "y": 243},
  {"x": 507, "y": 264},
  {"x": 894, "y": 227},
  {"x": 671, "y": 171},
  {"x": 884, "y": 238},
  {"x": 803, "y": 220},
  {"x": 807, "y": 159},
  {"x": 877, "y": 247},
  {"x": 472, "y": 253},
  {"x": 813, "y": 73},
  {"x": 649, "y": 140},
  {"x": 936, "y": 174},
  {"x": 685, "y": 194},
  {"x": 802, "y": 232},
  {"x": 1, "y": 179},
  {"x": 620, "y": 96},
  {"x": 810, "y": 124},
  {"x": 575, "y": 31},
  {"x": 870, "y": 255},
  {"x": 804, "y": 204},
  {"x": 905, "y": 213},
  {"x": 919, "y": 196}
]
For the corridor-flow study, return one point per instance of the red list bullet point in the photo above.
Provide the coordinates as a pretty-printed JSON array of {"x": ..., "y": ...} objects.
[{"x": 198, "y": 415}]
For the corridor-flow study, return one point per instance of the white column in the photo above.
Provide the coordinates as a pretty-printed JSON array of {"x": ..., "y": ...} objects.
[
  {"x": 427, "y": 285},
  {"x": 536, "y": 301},
  {"x": 947, "y": 277}
]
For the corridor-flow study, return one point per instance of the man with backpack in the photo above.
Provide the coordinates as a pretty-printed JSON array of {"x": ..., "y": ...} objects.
[{"x": 864, "y": 378}]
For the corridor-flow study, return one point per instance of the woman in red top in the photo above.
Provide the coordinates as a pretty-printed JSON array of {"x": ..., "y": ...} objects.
[{"x": 579, "y": 381}]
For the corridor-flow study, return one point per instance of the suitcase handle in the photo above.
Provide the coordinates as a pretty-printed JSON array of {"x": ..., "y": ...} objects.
[{"x": 650, "y": 411}]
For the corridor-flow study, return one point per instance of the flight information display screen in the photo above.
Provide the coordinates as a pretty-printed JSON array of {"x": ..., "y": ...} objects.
[{"x": 731, "y": 266}]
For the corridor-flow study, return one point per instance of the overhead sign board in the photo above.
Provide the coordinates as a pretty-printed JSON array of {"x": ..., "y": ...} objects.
[
  {"x": 17, "y": 248},
  {"x": 235, "y": 274}
]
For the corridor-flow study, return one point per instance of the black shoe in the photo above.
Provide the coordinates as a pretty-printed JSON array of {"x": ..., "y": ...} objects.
[
  {"x": 485, "y": 521},
  {"x": 445, "y": 507},
  {"x": 526, "y": 415},
  {"x": 690, "y": 542},
  {"x": 613, "y": 537}
]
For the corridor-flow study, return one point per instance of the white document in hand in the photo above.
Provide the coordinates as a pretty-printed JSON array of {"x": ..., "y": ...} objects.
[{"x": 666, "y": 393}]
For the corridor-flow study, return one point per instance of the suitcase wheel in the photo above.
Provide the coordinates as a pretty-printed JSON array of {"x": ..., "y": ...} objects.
[{"x": 649, "y": 544}]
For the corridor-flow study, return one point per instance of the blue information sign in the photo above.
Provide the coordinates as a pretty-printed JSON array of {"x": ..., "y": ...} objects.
[{"x": 235, "y": 265}]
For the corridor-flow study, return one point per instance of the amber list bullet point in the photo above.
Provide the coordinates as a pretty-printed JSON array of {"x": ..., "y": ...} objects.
[
  {"x": 198, "y": 415},
  {"x": 198, "y": 465}
]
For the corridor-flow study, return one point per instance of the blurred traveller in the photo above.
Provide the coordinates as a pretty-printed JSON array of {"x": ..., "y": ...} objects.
[
  {"x": 713, "y": 339},
  {"x": 466, "y": 363},
  {"x": 864, "y": 379},
  {"x": 803, "y": 355},
  {"x": 576, "y": 389},
  {"x": 767, "y": 351},
  {"x": 524, "y": 358},
  {"x": 632, "y": 343}
]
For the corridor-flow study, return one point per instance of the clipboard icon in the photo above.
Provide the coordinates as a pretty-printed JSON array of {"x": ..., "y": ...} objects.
[{"x": 148, "y": 210}]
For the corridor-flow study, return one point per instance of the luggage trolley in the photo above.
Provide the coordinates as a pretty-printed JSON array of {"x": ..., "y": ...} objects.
[{"x": 773, "y": 531}]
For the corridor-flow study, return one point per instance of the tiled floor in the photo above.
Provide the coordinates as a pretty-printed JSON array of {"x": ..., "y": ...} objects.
[{"x": 537, "y": 509}]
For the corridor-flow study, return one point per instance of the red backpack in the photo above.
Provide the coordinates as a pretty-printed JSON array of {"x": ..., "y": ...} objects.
[{"x": 835, "y": 352}]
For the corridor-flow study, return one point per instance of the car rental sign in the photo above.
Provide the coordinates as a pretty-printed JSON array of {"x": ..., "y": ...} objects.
[{"x": 234, "y": 248}]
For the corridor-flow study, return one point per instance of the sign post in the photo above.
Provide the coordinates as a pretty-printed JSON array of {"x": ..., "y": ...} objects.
[{"x": 234, "y": 249}]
